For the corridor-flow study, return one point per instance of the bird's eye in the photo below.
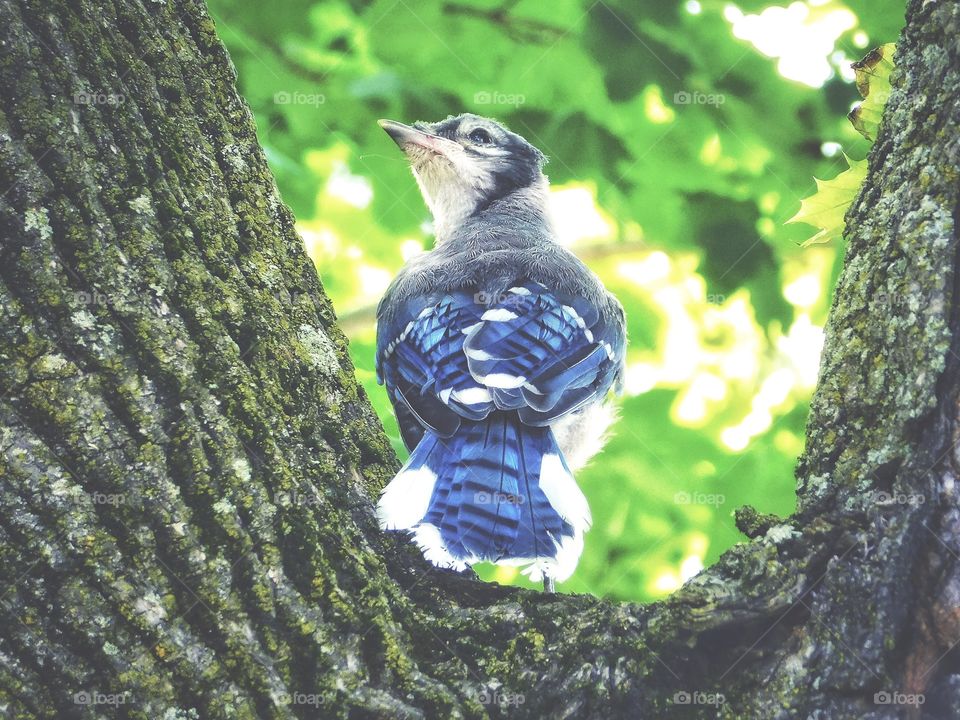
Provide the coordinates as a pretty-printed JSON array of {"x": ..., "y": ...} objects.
[{"x": 480, "y": 137}]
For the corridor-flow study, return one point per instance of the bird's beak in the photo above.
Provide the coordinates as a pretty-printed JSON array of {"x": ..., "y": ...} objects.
[{"x": 407, "y": 137}]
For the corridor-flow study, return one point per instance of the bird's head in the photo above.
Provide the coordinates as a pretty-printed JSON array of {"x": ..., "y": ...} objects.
[{"x": 465, "y": 163}]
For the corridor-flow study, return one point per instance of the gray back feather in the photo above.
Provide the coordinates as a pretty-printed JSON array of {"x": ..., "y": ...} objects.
[{"x": 508, "y": 242}]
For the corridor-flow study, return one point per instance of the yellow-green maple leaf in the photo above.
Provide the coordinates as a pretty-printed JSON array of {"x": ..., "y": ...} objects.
[
  {"x": 827, "y": 206},
  {"x": 873, "y": 82}
]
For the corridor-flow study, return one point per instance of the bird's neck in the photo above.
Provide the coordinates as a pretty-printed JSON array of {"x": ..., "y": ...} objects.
[
  {"x": 518, "y": 209},
  {"x": 450, "y": 206}
]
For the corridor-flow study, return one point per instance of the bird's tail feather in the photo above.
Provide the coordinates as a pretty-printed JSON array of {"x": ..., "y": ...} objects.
[{"x": 496, "y": 490}]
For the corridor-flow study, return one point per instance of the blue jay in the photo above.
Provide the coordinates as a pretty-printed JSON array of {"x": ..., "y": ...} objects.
[{"x": 498, "y": 349}]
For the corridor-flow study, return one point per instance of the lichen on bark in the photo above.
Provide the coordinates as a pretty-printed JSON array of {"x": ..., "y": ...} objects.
[{"x": 188, "y": 463}]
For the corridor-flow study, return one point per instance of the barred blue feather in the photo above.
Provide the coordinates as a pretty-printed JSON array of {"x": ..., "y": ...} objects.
[{"x": 477, "y": 379}]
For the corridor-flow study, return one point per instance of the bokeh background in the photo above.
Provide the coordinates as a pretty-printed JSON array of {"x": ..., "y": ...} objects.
[{"x": 681, "y": 137}]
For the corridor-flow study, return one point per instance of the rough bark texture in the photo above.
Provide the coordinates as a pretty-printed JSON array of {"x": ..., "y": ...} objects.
[{"x": 187, "y": 462}]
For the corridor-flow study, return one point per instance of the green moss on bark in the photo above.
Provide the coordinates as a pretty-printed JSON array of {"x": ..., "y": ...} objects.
[{"x": 190, "y": 463}]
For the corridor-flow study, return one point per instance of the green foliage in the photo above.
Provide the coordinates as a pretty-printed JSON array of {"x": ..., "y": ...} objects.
[
  {"x": 678, "y": 151},
  {"x": 827, "y": 207}
]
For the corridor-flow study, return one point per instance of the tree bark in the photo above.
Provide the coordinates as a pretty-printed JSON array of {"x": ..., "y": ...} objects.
[{"x": 188, "y": 465}]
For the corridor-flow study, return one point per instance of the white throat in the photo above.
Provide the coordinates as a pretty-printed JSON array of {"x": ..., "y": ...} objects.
[
  {"x": 453, "y": 191},
  {"x": 450, "y": 203}
]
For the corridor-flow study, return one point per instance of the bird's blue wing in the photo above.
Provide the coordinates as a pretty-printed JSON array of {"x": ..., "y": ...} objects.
[
  {"x": 546, "y": 355},
  {"x": 420, "y": 359},
  {"x": 462, "y": 355}
]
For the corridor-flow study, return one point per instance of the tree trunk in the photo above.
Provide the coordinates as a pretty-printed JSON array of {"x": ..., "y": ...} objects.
[{"x": 188, "y": 465}]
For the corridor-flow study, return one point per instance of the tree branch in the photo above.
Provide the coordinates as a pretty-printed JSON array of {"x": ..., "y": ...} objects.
[{"x": 188, "y": 469}]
